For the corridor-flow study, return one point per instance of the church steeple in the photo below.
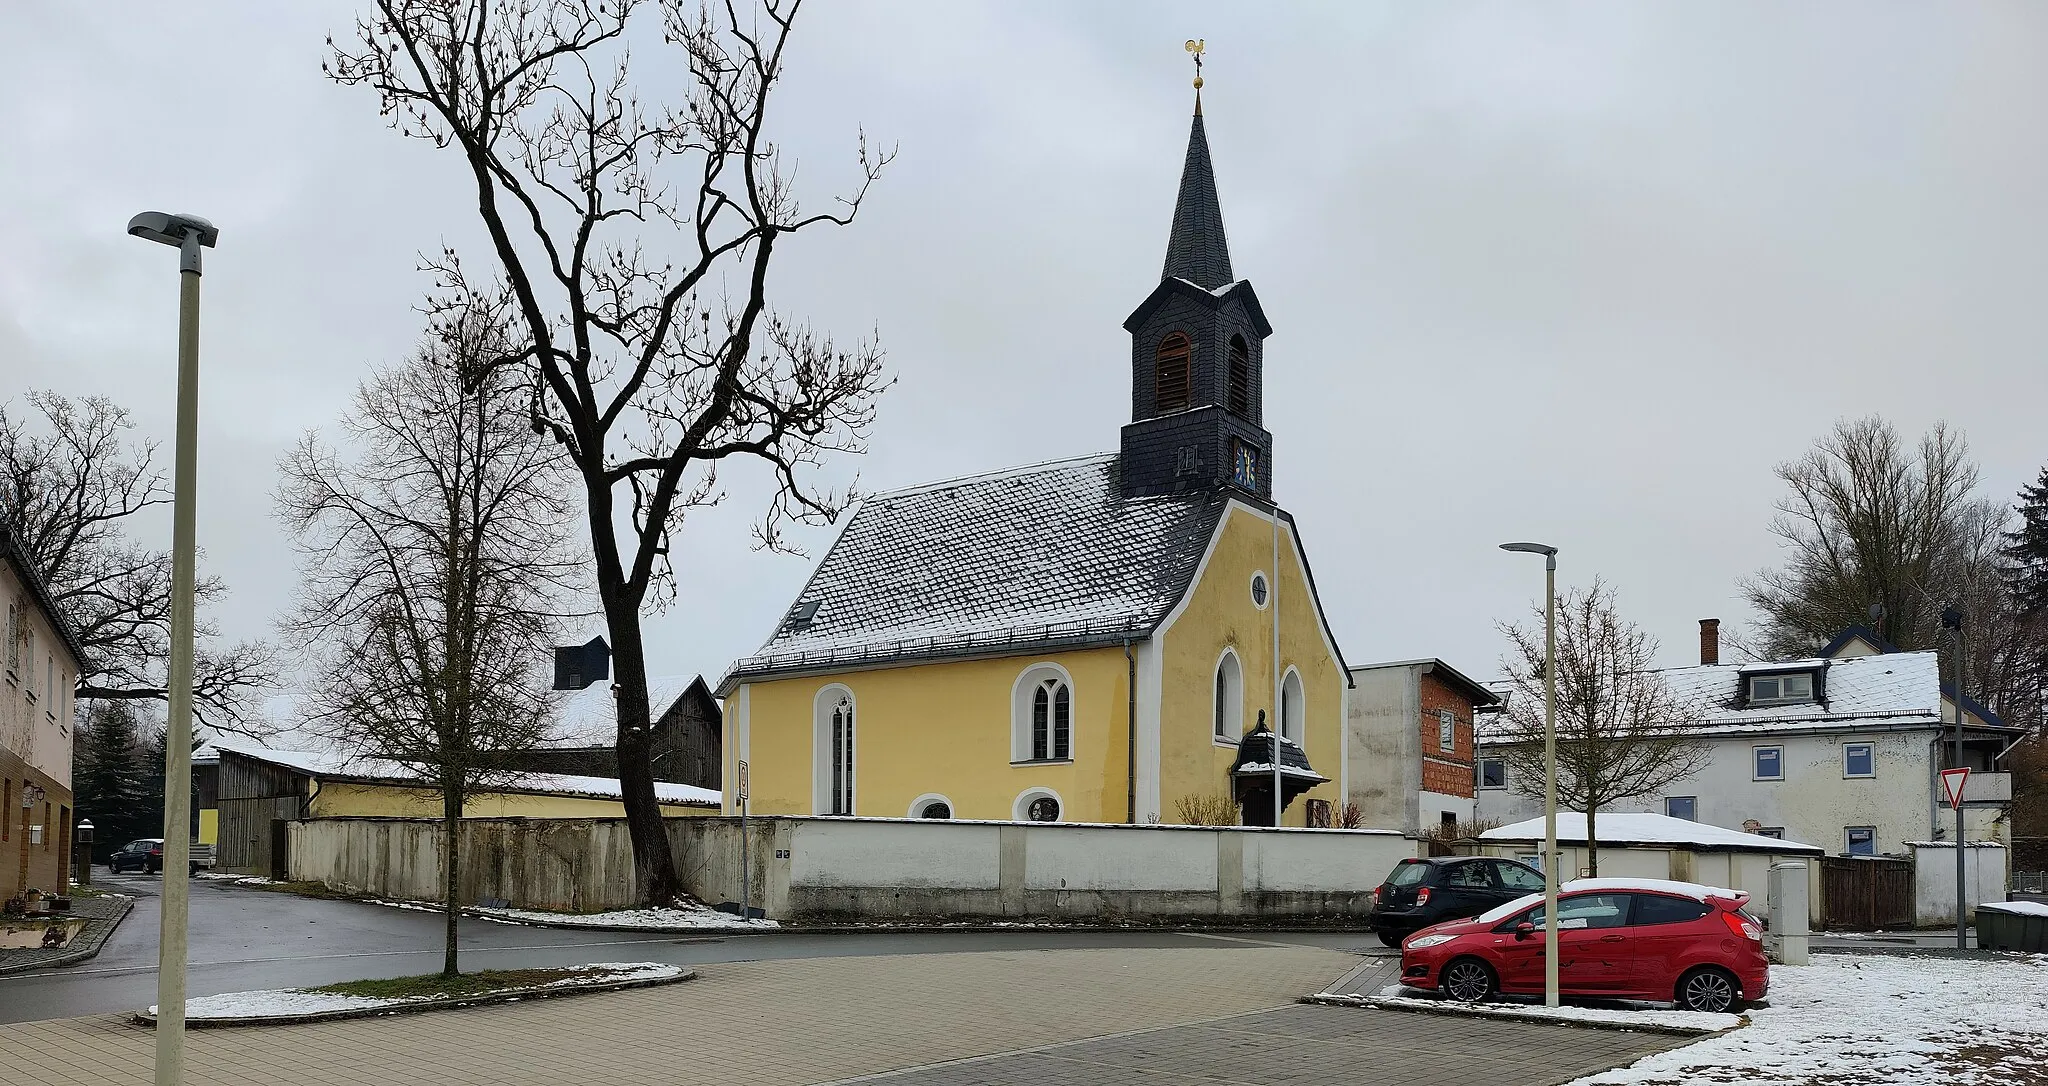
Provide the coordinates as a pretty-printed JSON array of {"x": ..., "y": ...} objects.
[
  {"x": 1198, "y": 346},
  {"x": 1197, "y": 249}
]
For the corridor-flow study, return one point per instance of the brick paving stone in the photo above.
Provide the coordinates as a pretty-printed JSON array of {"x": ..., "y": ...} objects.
[{"x": 1155, "y": 1017}]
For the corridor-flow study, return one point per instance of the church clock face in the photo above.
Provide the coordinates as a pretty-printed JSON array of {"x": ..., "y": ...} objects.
[{"x": 1244, "y": 465}]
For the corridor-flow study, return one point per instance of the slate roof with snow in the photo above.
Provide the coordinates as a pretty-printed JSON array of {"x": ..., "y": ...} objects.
[
  {"x": 590, "y": 718},
  {"x": 333, "y": 765},
  {"x": 1895, "y": 688},
  {"x": 1035, "y": 557},
  {"x": 1625, "y": 828}
]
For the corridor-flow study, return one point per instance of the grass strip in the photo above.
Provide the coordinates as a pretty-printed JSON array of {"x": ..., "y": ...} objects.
[{"x": 483, "y": 982}]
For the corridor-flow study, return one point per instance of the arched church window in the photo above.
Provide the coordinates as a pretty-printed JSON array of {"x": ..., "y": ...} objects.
[
  {"x": 834, "y": 744},
  {"x": 1292, "y": 706},
  {"x": 1240, "y": 378},
  {"x": 1042, "y": 715},
  {"x": 1229, "y": 721},
  {"x": 1171, "y": 373}
]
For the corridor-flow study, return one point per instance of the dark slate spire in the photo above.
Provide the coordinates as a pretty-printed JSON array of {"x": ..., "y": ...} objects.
[{"x": 1197, "y": 250}]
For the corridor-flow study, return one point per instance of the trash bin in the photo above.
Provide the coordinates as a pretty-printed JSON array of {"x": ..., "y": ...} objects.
[{"x": 2012, "y": 925}]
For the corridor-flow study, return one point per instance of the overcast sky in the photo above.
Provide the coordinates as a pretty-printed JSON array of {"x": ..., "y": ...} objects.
[{"x": 1580, "y": 273}]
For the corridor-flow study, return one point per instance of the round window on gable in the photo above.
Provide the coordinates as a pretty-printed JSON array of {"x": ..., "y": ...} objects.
[{"x": 1259, "y": 591}]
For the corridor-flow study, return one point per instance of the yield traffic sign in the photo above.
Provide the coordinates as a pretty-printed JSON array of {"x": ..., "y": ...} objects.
[{"x": 1952, "y": 785}]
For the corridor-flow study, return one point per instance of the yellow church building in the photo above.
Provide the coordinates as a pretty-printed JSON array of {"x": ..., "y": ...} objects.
[{"x": 1091, "y": 640}]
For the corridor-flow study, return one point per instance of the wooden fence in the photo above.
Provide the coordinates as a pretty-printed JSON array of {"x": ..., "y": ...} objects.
[{"x": 1866, "y": 893}]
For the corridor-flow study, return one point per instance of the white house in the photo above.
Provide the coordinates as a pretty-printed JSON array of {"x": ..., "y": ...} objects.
[{"x": 1843, "y": 750}]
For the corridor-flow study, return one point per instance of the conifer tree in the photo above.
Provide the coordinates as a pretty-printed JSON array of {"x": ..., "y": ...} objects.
[
  {"x": 110, "y": 780},
  {"x": 2027, "y": 550}
]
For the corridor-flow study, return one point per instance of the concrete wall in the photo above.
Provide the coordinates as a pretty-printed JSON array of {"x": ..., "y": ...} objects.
[
  {"x": 836, "y": 870},
  {"x": 1735, "y": 870},
  {"x": 1934, "y": 881},
  {"x": 1384, "y": 746},
  {"x": 1815, "y": 803}
]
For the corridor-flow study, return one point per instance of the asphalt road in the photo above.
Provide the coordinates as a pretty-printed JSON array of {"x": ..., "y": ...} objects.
[{"x": 244, "y": 940}]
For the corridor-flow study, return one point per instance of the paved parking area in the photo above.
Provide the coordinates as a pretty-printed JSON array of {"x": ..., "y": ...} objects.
[
  {"x": 1163, "y": 1017},
  {"x": 1309, "y": 1044}
]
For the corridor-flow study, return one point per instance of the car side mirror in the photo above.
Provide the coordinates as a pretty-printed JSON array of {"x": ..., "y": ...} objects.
[{"x": 1524, "y": 929}]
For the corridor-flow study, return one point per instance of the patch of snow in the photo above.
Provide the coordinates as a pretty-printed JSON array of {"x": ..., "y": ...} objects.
[
  {"x": 1874, "y": 1020},
  {"x": 1634, "y": 1014},
  {"x": 1631, "y": 828},
  {"x": 298, "y": 1002},
  {"x": 341, "y": 766},
  {"x": 692, "y": 918},
  {"x": 2023, "y": 908}
]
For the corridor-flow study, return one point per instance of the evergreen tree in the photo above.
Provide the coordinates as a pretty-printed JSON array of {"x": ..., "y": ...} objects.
[
  {"x": 110, "y": 779},
  {"x": 2027, "y": 549}
]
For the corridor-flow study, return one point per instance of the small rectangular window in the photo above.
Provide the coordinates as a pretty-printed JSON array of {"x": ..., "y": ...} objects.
[
  {"x": 1858, "y": 760},
  {"x": 1775, "y": 832},
  {"x": 1493, "y": 773},
  {"x": 1861, "y": 840},
  {"x": 1686, "y": 807},
  {"x": 1770, "y": 763},
  {"x": 1446, "y": 731},
  {"x": 1780, "y": 689}
]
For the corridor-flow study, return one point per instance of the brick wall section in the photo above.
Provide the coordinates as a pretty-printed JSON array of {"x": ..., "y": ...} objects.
[
  {"x": 46, "y": 866},
  {"x": 1448, "y": 772}
]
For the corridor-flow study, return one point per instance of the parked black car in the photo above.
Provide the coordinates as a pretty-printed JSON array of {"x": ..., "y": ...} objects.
[
  {"x": 143, "y": 854},
  {"x": 1419, "y": 893}
]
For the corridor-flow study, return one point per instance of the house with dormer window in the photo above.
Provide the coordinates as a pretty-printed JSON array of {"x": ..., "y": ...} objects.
[{"x": 1844, "y": 751}]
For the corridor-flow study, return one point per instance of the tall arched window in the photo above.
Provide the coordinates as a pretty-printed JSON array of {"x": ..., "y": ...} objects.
[
  {"x": 1293, "y": 705},
  {"x": 833, "y": 739},
  {"x": 1171, "y": 373},
  {"x": 1240, "y": 378},
  {"x": 1042, "y": 715},
  {"x": 1229, "y": 698}
]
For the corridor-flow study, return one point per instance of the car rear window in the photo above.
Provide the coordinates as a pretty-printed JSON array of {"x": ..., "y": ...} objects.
[
  {"x": 1665, "y": 909},
  {"x": 1409, "y": 873}
]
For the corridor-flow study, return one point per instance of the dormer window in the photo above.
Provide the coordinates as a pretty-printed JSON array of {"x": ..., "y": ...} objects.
[{"x": 1784, "y": 689}]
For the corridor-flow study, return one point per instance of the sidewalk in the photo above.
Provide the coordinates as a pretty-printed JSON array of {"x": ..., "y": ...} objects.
[
  {"x": 798, "y": 1022},
  {"x": 103, "y": 912}
]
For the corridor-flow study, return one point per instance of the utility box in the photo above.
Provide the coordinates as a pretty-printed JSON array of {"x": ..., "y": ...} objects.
[{"x": 1788, "y": 934}]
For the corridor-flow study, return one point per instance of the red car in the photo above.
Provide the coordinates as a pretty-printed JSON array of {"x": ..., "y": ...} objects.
[{"x": 1617, "y": 939}]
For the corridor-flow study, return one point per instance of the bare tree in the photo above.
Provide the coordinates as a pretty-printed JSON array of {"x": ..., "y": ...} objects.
[
  {"x": 1622, "y": 732},
  {"x": 1875, "y": 532},
  {"x": 434, "y": 555},
  {"x": 618, "y": 227},
  {"x": 70, "y": 487}
]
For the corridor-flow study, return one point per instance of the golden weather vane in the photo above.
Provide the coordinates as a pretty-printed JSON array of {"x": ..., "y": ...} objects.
[{"x": 1195, "y": 48}]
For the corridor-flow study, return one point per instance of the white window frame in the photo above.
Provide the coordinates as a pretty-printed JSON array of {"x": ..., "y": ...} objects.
[
  {"x": 823, "y": 801},
  {"x": 1756, "y": 773},
  {"x": 1022, "y": 694},
  {"x": 1780, "y": 678},
  {"x": 1021, "y": 806},
  {"x": 1294, "y": 705},
  {"x": 1447, "y": 731},
  {"x": 1871, "y": 749},
  {"x": 918, "y": 805},
  {"x": 1695, "y": 800},
  {"x": 1252, "y": 587},
  {"x": 1479, "y": 773},
  {"x": 1227, "y": 730},
  {"x": 1849, "y": 848},
  {"x": 13, "y": 654},
  {"x": 28, "y": 667}
]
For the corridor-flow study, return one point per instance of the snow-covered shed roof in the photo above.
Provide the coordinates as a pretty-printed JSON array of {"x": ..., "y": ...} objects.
[
  {"x": 589, "y": 717},
  {"x": 1626, "y": 828},
  {"x": 1046, "y": 555},
  {"x": 333, "y": 765}
]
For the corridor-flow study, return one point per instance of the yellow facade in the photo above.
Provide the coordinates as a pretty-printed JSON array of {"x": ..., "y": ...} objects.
[
  {"x": 209, "y": 826},
  {"x": 948, "y": 729},
  {"x": 343, "y": 799}
]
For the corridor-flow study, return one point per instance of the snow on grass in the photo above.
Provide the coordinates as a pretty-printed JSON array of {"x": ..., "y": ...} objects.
[
  {"x": 1875, "y": 1020},
  {"x": 1397, "y": 997},
  {"x": 678, "y": 918},
  {"x": 292, "y": 1003}
]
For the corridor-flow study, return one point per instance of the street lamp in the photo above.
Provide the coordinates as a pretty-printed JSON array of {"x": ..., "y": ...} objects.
[
  {"x": 1549, "y": 554},
  {"x": 189, "y": 233},
  {"x": 1952, "y": 618}
]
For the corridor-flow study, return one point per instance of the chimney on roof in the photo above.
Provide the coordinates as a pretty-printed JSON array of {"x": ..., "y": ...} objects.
[{"x": 1710, "y": 641}]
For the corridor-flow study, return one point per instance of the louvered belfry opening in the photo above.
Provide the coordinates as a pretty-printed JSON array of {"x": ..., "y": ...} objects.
[
  {"x": 1171, "y": 384},
  {"x": 1240, "y": 378}
]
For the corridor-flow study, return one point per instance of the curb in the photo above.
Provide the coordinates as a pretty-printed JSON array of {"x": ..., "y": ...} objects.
[
  {"x": 1453, "y": 1011},
  {"x": 148, "y": 1020},
  {"x": 900, "y": 929},
  {"x": 90, "y": 950}
]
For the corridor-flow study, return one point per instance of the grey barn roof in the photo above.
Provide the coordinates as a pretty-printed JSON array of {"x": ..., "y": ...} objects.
[{"x": 1050, "y": 555}]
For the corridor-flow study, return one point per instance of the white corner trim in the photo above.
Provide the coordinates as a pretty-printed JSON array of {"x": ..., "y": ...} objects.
[{"x": 1151, "y": 684}]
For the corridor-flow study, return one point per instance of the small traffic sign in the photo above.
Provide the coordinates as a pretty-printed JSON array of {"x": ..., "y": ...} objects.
[{"x": 1952, "y": 785}]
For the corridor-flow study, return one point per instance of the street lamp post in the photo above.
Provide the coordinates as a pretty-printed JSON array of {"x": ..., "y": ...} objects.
[
  {"x": 1549, "y": 554},
  {"x": 1953, "y": 619},
  {"x": 189, "y": 234}
]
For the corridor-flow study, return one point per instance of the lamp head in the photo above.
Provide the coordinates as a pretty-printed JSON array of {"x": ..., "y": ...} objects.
[
  {"x": 169, "y": 229},
  {"x": 1544, "y": 549},
  {"x": 1951, "y": 618}
]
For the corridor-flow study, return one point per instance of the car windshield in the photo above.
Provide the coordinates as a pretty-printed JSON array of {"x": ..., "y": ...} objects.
[
  {"x": 1409, "y": 873},
  {"x": 1501, "y": 912}
]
